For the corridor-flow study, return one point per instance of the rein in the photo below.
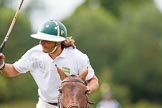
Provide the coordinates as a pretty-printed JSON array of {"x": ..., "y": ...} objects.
[{"x": 75, "y": 80}]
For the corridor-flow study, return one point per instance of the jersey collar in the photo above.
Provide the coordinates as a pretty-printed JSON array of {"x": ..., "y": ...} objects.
[{"x": 63, "y": 54}]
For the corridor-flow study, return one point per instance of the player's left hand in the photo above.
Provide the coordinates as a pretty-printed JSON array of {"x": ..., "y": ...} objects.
[{"x": 88, "y": 90}]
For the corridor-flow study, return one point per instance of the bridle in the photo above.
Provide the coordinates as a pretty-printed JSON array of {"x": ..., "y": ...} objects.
[{"x": 61, "y": 105}]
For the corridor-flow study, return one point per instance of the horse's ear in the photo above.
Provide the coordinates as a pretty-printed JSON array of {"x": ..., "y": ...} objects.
[
  {"x": 61, "y": 73},
  {"x": 83, "y": 74}
]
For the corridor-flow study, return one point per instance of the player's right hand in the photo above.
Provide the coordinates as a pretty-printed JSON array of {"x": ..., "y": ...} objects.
[{"x": 2, "y": 61}]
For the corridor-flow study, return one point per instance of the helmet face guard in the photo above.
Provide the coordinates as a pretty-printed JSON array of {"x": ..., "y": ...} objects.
[{"x": 52, "y": 30}]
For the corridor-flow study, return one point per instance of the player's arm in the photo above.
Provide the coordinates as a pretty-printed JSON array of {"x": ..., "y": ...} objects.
[
  {"x": 92, "y": 84},
  {"x": 10, "y": 71}
]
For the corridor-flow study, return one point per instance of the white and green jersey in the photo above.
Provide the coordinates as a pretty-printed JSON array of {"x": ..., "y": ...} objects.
[{"x": 42, "y": 68}]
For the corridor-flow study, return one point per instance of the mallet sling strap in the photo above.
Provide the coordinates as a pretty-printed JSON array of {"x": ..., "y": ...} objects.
[
  {"x": 2, "y": 66},
  {"x": 75, "y": 80}
]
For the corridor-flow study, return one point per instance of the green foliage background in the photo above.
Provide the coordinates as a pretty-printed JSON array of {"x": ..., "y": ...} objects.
[{"x": 123, "y": 40}]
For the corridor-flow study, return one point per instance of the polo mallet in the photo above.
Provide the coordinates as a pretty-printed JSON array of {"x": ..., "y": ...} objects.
[{"x": 10, "y": 28}]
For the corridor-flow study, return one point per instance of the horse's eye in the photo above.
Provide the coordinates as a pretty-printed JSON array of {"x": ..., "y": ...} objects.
[{"x": 60, "y": 90}]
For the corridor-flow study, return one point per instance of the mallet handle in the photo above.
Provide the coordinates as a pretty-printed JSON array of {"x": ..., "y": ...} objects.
[{"x": 10, "y": 28}]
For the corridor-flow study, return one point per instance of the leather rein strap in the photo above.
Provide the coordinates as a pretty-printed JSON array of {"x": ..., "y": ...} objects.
[{"x": 76, "y": 80}]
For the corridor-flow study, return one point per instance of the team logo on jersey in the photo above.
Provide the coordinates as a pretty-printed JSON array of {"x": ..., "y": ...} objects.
[{"x": 66, "y": 70}]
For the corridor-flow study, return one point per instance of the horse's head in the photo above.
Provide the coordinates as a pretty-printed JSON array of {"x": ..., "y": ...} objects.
[{"x": 73, "y": 90}]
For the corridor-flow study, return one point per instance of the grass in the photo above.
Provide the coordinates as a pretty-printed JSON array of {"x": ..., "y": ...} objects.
[{"x": 19, "y": 104}]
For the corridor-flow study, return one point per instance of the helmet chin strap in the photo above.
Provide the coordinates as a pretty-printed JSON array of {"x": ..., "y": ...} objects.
[{"x": 54, "y": 49}]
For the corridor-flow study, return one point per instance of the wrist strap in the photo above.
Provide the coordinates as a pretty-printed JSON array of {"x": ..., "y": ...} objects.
[{"x": 2, "y": 66}]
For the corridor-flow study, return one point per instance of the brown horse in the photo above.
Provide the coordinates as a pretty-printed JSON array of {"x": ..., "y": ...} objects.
[{"x": 73, "y": 90}]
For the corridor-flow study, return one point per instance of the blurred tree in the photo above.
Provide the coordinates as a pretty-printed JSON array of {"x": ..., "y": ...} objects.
[
  {"x": 5, "y": 93},
  {"x": 114, "y": 6},
  {"x": 139, "y": 65},
  {"x": 3, "y": 3},
  {"x": 94, "y": 35}
]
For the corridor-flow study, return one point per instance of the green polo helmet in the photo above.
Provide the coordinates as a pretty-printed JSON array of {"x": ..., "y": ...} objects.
[{"x": 52, "y": 30}]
